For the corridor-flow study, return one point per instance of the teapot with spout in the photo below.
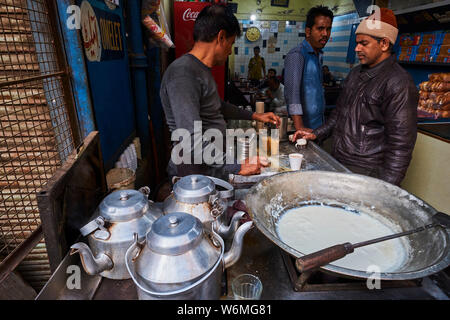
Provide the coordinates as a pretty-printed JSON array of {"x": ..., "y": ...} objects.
[
  {"x": 119, "y": 216},
  {"x": 181, "y": 259},
  {"x": 198, "y": 196}
]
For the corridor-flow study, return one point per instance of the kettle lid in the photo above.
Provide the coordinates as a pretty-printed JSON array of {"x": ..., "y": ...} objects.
[
  {"x": 175, "y": 234},
  {"x": 193, "y": 189},
  {"x": 123, "y": 205}
]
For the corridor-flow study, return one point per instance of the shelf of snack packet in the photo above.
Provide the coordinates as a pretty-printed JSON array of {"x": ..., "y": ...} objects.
[
  {"x": 434, "y": 96},
  {"x": 429, "y": 48},
  {"x": 433, "y": 111}
]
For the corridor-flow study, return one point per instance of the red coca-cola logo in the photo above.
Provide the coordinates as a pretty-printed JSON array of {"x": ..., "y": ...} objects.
[{"x": 190, "y": 15}]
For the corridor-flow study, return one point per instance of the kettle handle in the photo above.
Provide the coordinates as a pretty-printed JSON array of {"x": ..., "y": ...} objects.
[
  {"x": 224, "y": 194},
  {"x": 130, "y": 256},
  {"x": 97, "y": 223},
  {"x": 145, "y": 191},
  {"x": 135, "y": 248},
  {"x": 144, "y": 287}
]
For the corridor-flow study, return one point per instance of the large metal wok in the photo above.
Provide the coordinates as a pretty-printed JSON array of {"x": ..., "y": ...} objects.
[{"x": 268, "y": 200}]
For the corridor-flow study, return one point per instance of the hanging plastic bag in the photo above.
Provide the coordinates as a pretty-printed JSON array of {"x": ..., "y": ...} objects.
[
  {"x": 149, "y": 7},
  {"x": 154, "y": 19},
  {"x": 157, "y": 33}
]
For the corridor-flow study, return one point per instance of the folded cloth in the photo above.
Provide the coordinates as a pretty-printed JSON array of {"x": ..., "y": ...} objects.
[{"x": 239, "y": 205}]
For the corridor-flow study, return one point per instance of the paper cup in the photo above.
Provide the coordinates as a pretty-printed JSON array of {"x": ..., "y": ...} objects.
[
  {"x": 295, "y": 161},
  {"x": 301, "y": 143}
]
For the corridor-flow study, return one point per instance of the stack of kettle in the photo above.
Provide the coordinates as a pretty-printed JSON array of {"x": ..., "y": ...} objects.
[{"x": 171, "y": 250}]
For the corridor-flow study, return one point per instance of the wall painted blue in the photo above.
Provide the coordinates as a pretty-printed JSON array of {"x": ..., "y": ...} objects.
[
  {"x": 335, "y": 52},
  {"x": 111, "y": 93}
]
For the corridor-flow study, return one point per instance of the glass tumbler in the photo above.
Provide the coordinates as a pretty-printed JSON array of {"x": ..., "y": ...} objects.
[{"x": 246, "y": 287}]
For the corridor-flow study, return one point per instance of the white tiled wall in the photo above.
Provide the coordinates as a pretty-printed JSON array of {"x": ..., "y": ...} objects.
[{"x": 290, "y": 37}]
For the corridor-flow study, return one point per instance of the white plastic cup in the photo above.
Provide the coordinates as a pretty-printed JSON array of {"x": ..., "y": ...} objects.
[{"x": 295, "y": 160}]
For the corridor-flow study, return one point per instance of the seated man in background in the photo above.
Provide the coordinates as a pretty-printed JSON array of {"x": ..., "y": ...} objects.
[
  {"x": 328, "y": 79},
  {"x": 270, "y": 73},
  {"x": 276, "y": 95}
]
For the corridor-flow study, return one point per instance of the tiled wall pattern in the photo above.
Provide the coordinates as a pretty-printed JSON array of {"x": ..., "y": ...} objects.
[
  {"x": 277, "y": 38},
  {"x": 286, "y": 35},
  {"x": 335, "y": 52}
]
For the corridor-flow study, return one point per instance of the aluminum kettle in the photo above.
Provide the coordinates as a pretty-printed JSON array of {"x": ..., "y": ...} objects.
[
  {"x": 198, "y": 196},
  {"x": 119, "y": 216},
  {"x": 181, "y": 259}
]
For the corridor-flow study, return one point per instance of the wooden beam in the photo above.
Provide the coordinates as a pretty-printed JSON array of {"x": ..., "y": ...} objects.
[{"x": 15, "y": 288}]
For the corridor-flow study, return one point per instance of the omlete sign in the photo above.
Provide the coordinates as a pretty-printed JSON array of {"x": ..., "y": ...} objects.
[{"x": 102, "y": 34}]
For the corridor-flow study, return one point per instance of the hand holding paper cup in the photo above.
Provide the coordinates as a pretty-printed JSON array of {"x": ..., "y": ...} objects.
[{"x": 305, "y": 133}]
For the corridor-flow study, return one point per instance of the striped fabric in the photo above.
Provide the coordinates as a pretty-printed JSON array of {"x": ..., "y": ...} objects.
[{"x": 335, "y": 52}]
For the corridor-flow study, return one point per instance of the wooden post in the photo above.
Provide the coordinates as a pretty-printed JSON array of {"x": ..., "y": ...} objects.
[{"x": 15, "y": 288}]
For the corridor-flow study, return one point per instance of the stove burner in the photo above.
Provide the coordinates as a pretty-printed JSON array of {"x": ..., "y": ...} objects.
[{"x": 318, "y": 280}]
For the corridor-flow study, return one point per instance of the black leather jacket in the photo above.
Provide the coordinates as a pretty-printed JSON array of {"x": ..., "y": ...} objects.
[{"x": 374, "y": 125}]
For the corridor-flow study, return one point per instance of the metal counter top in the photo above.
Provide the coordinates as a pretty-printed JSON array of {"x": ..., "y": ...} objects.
[
  {"x": 314, "y": 158},
  {"x": 259, "y": 257}
]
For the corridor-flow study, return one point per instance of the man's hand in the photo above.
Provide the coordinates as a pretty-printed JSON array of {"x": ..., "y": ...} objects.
[
  {"x": 305, "y": 133},
  {"x": 269, "y": 94},
  {"x": 253, "y": 165},
  {"x": 267, "y": 117}
]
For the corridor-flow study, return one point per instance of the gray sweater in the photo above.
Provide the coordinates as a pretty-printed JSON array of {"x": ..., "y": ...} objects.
[{"x": 189, "y": 93}]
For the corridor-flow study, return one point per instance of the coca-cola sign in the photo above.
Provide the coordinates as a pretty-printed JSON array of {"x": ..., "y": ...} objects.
[{"x": 190, "y": 15}]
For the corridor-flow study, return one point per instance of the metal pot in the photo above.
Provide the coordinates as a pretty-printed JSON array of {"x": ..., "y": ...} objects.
[
  {"x": 181, "y": 259},
  {"x": 268, "y": 200},
  {"x": 120, "y": 215},
  {"x": 198, "y": 196}
]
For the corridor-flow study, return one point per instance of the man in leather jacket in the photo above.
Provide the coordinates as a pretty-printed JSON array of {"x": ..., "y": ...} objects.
[{"x": 374, "y": 125}]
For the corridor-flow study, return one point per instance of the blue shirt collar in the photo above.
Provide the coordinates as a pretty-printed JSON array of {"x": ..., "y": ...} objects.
[{"x": 310, "y": 49}]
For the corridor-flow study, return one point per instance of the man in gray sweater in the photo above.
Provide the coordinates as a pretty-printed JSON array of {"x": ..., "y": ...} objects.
[{"x": 191, "y": 102}]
